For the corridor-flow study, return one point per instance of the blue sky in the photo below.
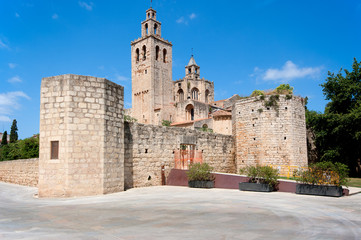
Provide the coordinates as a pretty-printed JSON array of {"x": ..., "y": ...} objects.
[{"x": 240, "y": 45}]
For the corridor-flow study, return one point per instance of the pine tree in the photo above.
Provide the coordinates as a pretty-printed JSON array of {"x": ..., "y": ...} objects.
[
  {"x": 14, "y": 132},
  {"x": 4, "y": 140}
]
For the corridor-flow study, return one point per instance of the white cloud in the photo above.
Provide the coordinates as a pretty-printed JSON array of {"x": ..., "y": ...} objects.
[
  {"x": 121, "y": 78},
  {"x": 12, "y": 65},
  {"x": 185, "y": 20},
  {"x": 3, "y": 45},
  {"x": 17, "y": 15},
  {"x": 55, "y": 16},
  {"x": 4, "y": 119},
  {"x": 288, "y": 72},
  {"x": 180, "y": 20},
  {"x": 87, "y": 6},
  {"x": 15, "y": 79},
  {"x": 8, "y": 102},
  {"x": 192, "y": 16}
]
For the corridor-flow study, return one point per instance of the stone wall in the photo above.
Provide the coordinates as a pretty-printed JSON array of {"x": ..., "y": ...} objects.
[
  {"x": 148, "y": 148},
  {"x": 84, "y": 114},
  {"x": 22, "y": 172},
  {"x": 273, "y": 135}
]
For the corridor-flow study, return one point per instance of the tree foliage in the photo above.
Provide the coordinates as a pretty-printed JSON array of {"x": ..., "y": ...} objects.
[
  {"x": 22, "y": 149},
  {"x": 14, "y": 132},
  {"x": 4, "y": 140},
  {"x": 338, "y": 129}
]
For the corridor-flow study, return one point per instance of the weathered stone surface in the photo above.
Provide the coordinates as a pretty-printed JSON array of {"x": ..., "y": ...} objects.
[
  {"x": 148, "y": 148},
  {"x": 23, "y": 172},
  {"x": 270, "y": 135},
  {"x": 91, "y": 157}
]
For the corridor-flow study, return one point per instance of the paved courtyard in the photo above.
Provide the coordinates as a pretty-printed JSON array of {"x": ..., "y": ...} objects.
[{"x": 178, "y": 213}]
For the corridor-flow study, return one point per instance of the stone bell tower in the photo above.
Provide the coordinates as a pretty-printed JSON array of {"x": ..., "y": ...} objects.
[{"x": 151, "y": 73}]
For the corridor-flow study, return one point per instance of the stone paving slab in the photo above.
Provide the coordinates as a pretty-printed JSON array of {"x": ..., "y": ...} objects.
[{"x": 167, "y": 212}]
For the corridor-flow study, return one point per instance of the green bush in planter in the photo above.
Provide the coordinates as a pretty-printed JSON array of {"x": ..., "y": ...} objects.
[
  {"x": 261, "y": 174},
  {"x": 200, "y": 172},
  {"x": 323, "y": 173}
]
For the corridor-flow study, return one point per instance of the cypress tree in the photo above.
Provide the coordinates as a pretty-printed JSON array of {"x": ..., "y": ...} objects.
[
  {"x": 4, "y": 140},
  {"x": 14, "y": 132}
]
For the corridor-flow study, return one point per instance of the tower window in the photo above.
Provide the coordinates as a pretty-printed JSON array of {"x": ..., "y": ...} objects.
[
  {"x": 189, "y": 70},
  {"x": 144, "y": 52},
  {"x": 155, "y": 29},
  {"x": 195, "y": 94},
  {"x": 54, "y": 150},
  {"x": 146, "y": 28},
  {"x": 137, "y": 55},
  {"x": 152, "y": 15},
  {"x": 148, "y": 15},
  {"x": 157, "y": 53},
  {"x": 164, "y": 55}
]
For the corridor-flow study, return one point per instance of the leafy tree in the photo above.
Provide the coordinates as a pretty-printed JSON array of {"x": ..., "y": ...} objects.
[
  {"x": 22, "y": 149},
  {"x": 14, "y": 132},
  {"x": 338, "y": 129},
  {"x": 344, "y": 91},
  {"x": 4, "y": 140}
]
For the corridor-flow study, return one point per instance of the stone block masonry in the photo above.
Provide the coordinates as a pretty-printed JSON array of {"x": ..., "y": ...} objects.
[
  {"x": 81, "y": 136},
  {"x": 270, "y": 131},
  {"x": 149, "y": 148},
  {"x": 23, "y": 172}
]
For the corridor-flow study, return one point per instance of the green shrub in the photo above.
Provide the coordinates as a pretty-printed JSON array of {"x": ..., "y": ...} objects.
[
  {"x": 200, "y": 172},
  {"x": 284, "y": 89},
  {"x": 323, "y": 173},
  {"x": 128, "y": 118},
  {"x": 261, "y": 174},
  {"x": 256, "y": 93},
  {"x": 166, "y": 123}
]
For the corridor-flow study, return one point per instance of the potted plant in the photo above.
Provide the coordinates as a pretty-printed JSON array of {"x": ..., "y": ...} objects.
[
  {"x": 322, "y": 179},
  {"x": 200, "y": 176},
  {"x": 261, "y": 178}
]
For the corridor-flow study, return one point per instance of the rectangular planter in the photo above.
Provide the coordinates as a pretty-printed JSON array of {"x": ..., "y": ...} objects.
[
  {"x": 256, "y": 187},
  {"x": 201, "y": 184},
  {"x": 319, "y": 190}
]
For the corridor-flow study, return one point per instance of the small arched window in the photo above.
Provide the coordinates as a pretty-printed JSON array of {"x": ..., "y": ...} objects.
[
  {"x": 190, "y": 112},
  {"x": 157, "y": 53},
  {"x": 207, "y": 96},
  {"x": 144, "y": 53},
  {"x": 164, "y": 55},
  {"x": 146, "y": 28},
  {"x": 189, "y": 70},
  {"x": 155, "y": 29},
  {"x": 152, "y": 15},
  {"x": 195, "y": 94},
  {"x": 137, "y": 55},
  {"x": 148, "y": 15},
  {"x": 180, "y": 95}
]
